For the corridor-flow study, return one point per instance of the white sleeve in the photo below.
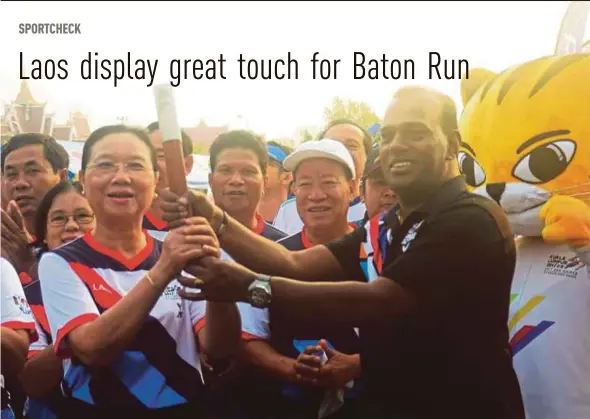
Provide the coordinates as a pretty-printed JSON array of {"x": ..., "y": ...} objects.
[
  {"x": 40, "y": 344},
  {"x": 66, "y": 299},
  {"x": 287, "y": 219},
  {"x": 197, "y": 310},
  {"x": 255, "y": 322},
  {"x": 15, "y": 311}
]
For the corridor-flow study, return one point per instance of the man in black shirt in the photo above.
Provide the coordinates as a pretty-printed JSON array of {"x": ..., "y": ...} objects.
[{"x": 433, "y": 316}]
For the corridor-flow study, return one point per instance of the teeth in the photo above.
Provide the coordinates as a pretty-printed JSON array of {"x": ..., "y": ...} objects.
[{"x": 401, "y": 164}]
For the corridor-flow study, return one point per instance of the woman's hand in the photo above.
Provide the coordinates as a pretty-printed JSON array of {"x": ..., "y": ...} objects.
[
  {"x": 191, "y": 241},
  {"x": 176, "y": 208}
]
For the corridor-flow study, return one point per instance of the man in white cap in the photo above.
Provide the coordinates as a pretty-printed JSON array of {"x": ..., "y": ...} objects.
[
  {"x": 323, "y": 184},
  {"x": 358, "y": 142}
]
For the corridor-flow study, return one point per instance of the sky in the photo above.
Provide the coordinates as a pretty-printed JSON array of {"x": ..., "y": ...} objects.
[{"x": 494, "y": 35}]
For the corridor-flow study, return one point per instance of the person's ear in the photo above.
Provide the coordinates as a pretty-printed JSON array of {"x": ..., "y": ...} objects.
[
  {"x": 454, "y": 144},
  {"x": 286, "y": 178},
  {"x": 188, "y": 163}
]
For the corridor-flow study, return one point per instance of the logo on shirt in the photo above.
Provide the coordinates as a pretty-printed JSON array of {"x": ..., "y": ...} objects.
[
  {"x": 409, "y": 238},
  {"x": 100, "y": 287},
  {"x": 527, "y": 333},
  {"x": 171, "y": 292},
  {"x": 22, "y": 304},
  {"x": 563, "y": 266}
]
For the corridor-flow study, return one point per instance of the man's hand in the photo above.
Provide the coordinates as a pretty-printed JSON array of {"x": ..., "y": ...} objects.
[
  {"x": 335, "y": 373},
  {"x": 175, "y": 208},
  {"x": 16, "y": 239},
  {"x": 567, "y": 220},
  {"x": 217, "y": 280},
  {"x": 339, "y": 369},
  {"x": 307, "y": 366}
]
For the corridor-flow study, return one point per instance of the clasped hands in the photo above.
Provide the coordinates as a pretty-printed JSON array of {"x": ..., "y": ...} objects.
[
  {"x": 193, "y": 243},
  {"x": 339, "y": 369}
]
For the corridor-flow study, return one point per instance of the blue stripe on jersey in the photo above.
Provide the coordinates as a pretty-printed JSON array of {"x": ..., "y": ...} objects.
[
  {"x": 7, "y": 413},
  {"x": 145, "y": 382},
  {"x": 78, "y": 381}
]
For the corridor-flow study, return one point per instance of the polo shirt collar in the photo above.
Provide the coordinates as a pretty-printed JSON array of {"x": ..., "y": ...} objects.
[{"x": 444, "y": 196}]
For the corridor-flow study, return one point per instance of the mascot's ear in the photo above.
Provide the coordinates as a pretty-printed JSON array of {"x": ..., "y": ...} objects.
[{"x": 477, "y": 78}]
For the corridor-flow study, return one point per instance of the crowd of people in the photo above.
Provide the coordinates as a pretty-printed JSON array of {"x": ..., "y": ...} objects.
[{"x": 322, "y": 282}]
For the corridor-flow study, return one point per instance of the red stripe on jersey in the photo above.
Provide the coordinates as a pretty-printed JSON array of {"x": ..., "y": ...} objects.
[
  {"x": 32, "y": 353},
  {"x": 39, "y": 313},
  {"x": 250, "y": 337},
  {"x": 28, "y": 326},
  {"x": 130, "y": 264},
  {"x": 259, "y": 228},
  {"x": 199, "y": 325},
  {"x": 156, "y": 222},
  {"x": 103, "y": 294},
  {"x": 25, "y": 278},
  {"x": 374, "y": 237},
  {"x": 67, "y": 328}
]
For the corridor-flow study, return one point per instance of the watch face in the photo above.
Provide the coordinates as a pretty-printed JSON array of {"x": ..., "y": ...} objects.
[{"x": 258, "y": 297}]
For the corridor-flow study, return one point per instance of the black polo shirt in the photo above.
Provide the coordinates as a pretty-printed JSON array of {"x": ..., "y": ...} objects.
[{"x": 451, "y": 357}]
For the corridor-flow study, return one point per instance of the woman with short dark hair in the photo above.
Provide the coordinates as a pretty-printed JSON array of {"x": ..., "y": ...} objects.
[{"x": 130, "y": 343}]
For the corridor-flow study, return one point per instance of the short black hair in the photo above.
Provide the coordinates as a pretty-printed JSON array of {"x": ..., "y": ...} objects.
[
  {"x": 187, "y": 142},
  {"x": 102, "y": 132},
  {"x": 54, "y": 152},
  {"x": 239, "y": 139},
  {"x": 448, "y": 117},
  {"x": 367, "y": 138},
  {"x": 40, "y": 225}
]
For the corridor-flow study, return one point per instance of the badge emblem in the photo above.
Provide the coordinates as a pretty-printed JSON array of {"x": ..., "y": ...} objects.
[{"x": 409, "y": 238}]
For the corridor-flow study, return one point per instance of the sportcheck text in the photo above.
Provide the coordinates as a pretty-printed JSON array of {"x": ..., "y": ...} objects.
[{"x": 49, "y": 28}]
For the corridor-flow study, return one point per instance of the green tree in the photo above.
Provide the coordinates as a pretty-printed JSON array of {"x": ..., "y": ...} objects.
[
  {"x": 359, "y": 112},
  {"x": 306, "y": 135}
]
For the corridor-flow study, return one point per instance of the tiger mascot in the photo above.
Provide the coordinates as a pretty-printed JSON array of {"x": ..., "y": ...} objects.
[{"x": 526, "y": 145}]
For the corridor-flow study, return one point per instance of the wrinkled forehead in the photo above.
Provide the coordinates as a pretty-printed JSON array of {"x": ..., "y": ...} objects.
[{"x": 413, "y": 108}]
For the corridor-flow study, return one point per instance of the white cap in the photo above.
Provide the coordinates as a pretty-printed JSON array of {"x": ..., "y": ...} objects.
[{"x": 325, "y": 148}]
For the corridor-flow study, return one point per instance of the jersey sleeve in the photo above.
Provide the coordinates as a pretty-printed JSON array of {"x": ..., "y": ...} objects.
[
  {"x": 40, "y": 344},
  {"x": 287, "y": 219},
  {"x": 255, "y": 322},
  {"x": 15, "y": 310},
  {"x": 67, "y": 301},
  {"x": 196, "y": 309}
]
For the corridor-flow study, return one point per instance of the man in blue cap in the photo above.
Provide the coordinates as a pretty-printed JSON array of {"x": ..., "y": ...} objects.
[{"x": 277, "y": 188}]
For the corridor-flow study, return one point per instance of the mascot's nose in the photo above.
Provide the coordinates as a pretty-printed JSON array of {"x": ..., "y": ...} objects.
[{"x": 495, "y": 190}]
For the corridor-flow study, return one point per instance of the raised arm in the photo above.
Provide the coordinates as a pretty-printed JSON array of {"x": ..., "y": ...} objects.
[{"x": 247, "y": 247}]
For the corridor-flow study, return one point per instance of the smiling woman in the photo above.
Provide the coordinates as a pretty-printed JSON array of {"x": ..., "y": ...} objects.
[{"x": 112, "y": 293}]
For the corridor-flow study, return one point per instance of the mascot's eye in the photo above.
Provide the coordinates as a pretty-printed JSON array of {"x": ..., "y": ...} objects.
[
  {"x": 546, "y": 162},
  {"x": 470, "y": 168}
]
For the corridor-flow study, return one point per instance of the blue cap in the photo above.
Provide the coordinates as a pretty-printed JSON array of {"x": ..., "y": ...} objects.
[{"x": 276, "y": 153}]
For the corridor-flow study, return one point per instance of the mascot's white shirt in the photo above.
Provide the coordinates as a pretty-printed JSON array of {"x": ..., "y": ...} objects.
[
  {"x": 550, "y": 330},
  {"x": 288, "y": 221}
]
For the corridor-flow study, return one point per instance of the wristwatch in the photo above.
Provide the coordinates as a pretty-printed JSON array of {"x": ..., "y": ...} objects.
[{"x": 259, "y": 292}]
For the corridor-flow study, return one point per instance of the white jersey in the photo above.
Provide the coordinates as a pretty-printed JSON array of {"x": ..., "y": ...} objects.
[
  {"x": 16, "y": 312},
  {"x": 289, "y": 221},
  {"x": 16, "y": 315},
  {"x": 550, "y": 330},
  {"x": 161, "y": 367}
]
